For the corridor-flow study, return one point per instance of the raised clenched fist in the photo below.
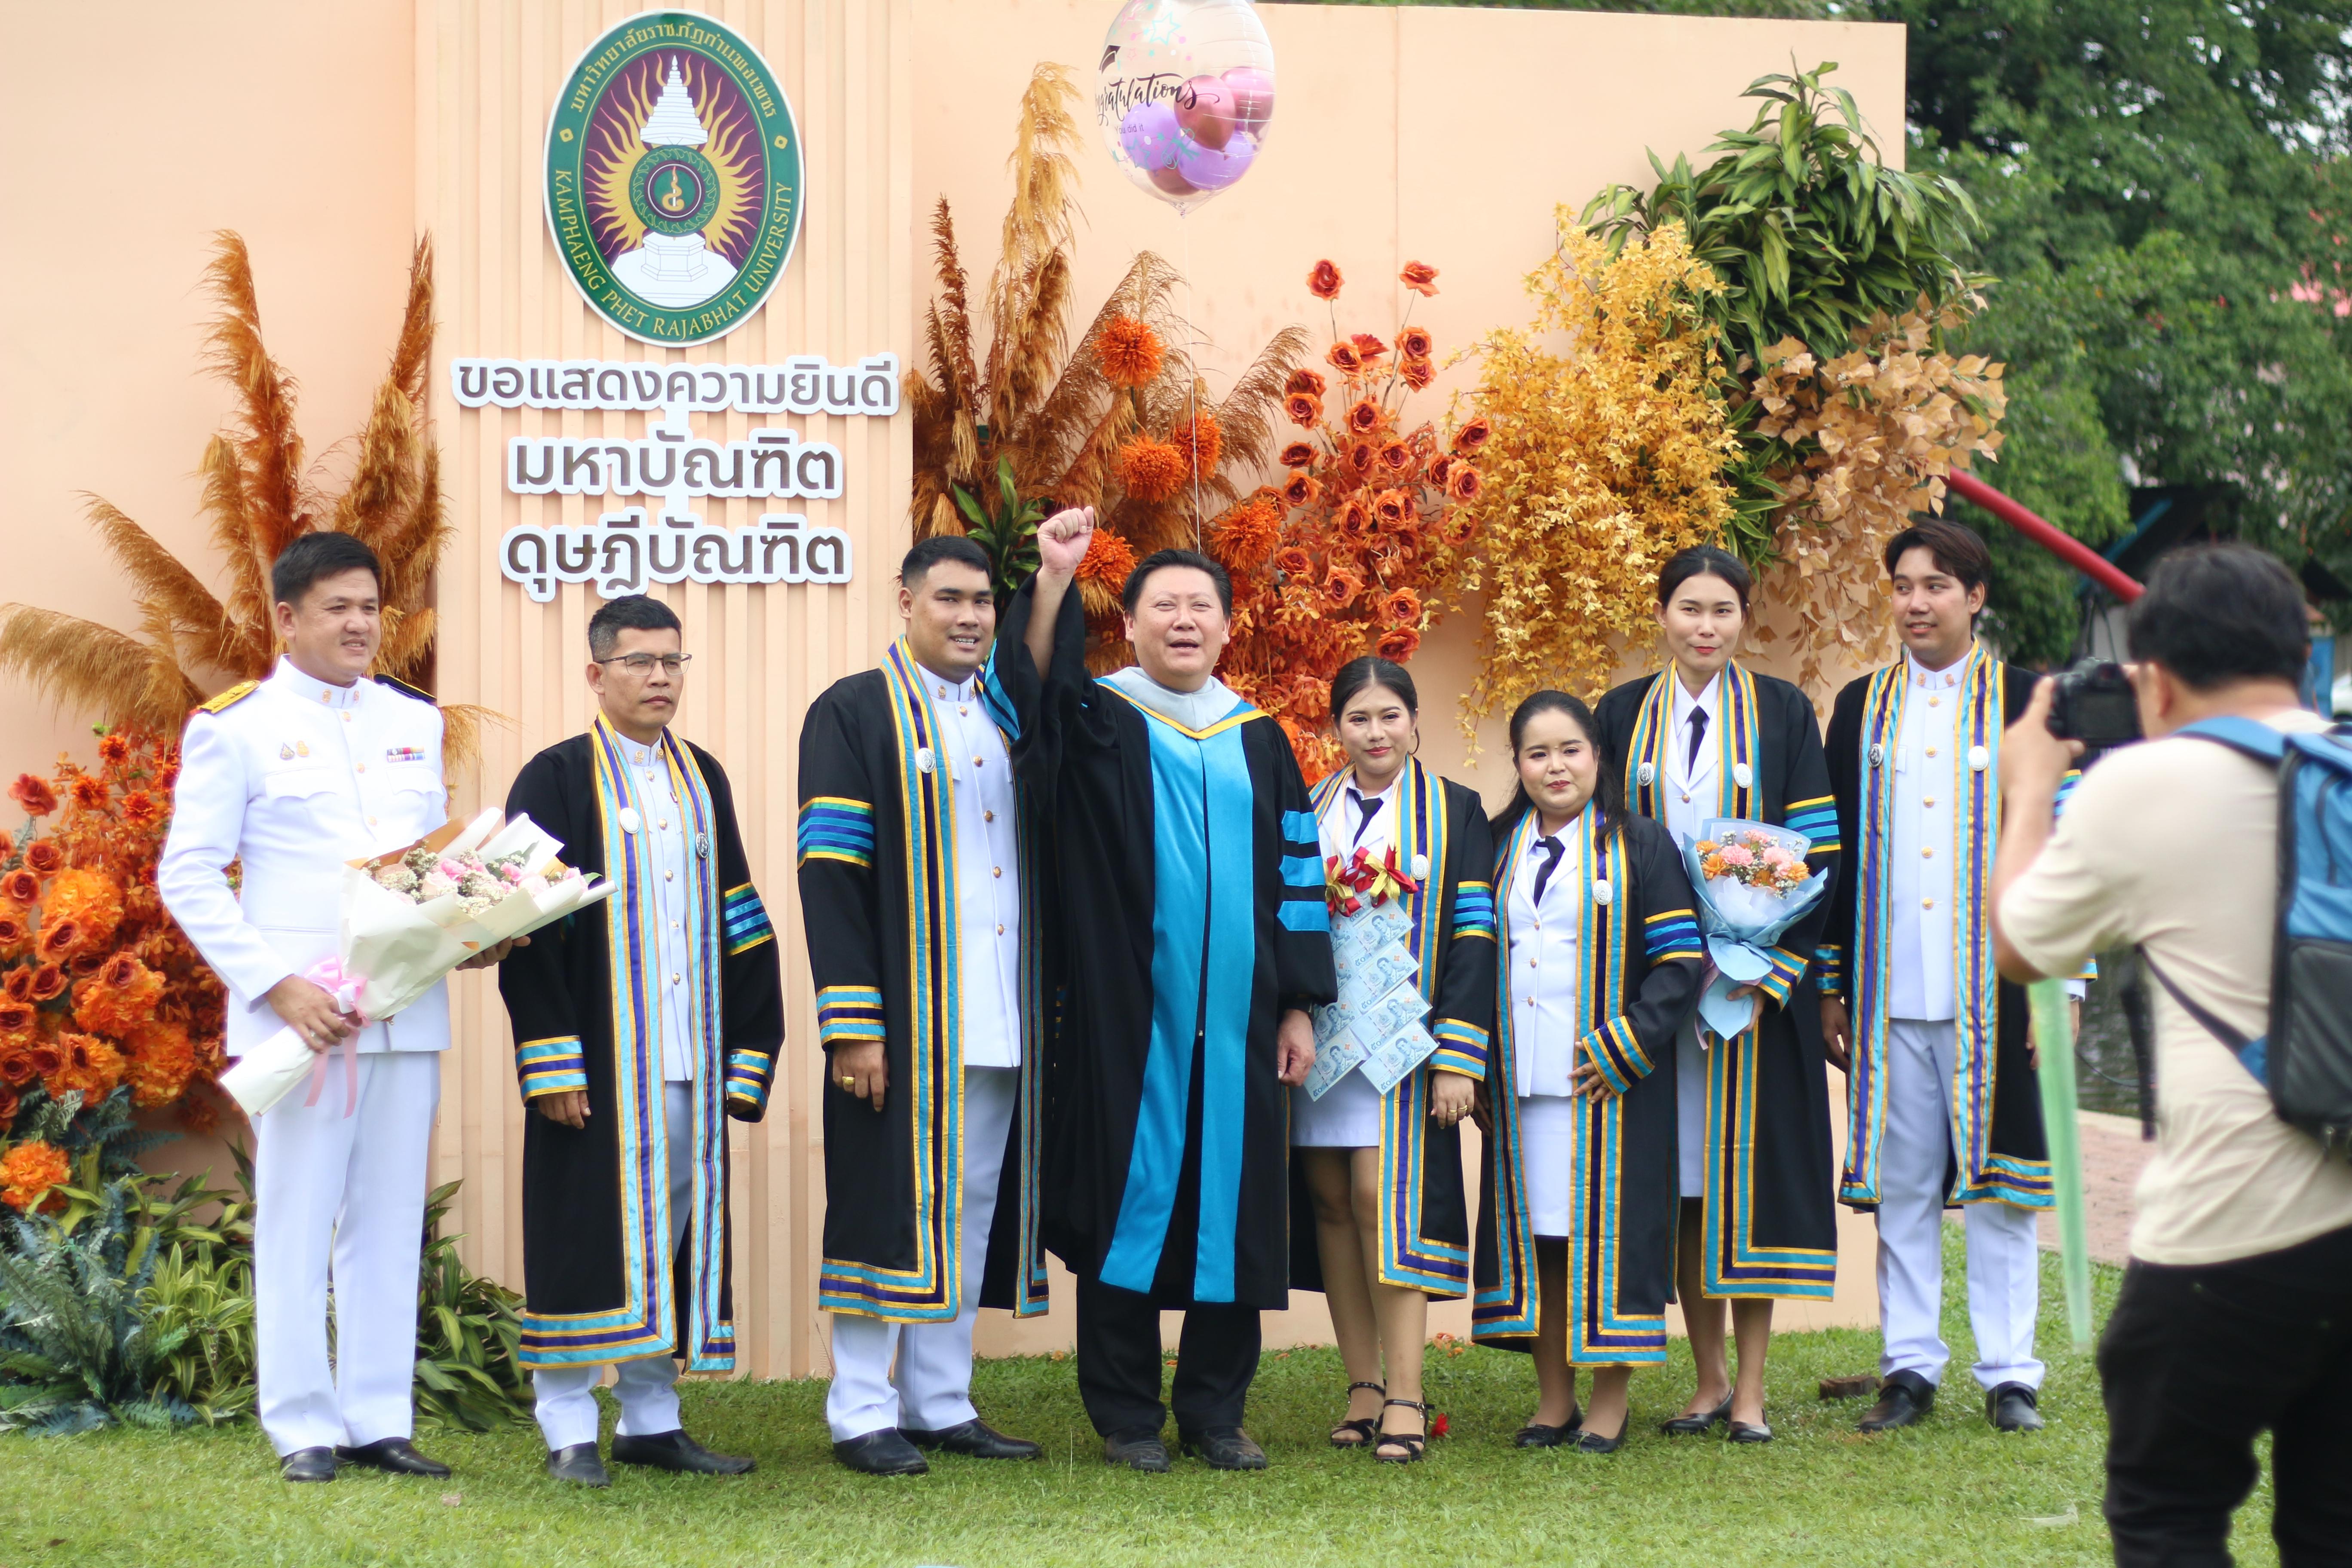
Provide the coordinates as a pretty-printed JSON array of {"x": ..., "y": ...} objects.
[{"x": 1063, "y": 538}]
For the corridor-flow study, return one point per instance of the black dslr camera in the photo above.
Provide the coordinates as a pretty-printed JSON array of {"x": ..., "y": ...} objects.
[{"x": 2094, "y": 703}]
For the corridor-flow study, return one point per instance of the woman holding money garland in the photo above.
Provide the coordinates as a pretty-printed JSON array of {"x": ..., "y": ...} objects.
[
  {"x": 1600, "y": 970},
  {"x": 1379, "y": 1222},
  {"x": 1704, "y": 738}
]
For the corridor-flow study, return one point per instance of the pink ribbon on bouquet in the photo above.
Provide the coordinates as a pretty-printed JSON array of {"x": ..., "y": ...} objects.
[{"x": 330, "y": 975}]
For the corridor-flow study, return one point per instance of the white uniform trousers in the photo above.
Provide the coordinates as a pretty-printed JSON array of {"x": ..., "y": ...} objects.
[
  {"x": 565, "y": 1396},
  {"x": 931, "y": 1389},
  {"x": 342, "y": 1198},
  {"x": 2004, "y": 1257}
]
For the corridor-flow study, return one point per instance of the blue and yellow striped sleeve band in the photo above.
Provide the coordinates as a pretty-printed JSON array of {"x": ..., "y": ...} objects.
[
  {"x": 832, "y": 828},
  {"x": 1671, "y": 934},
  {"x": 1817, "y": 820},
  {"x": 1787, "y": 969},
  {"x": 1474, "y": 910},
  {"x": 1829, "y": 971},
  {"x": 748, "y": 1073},
  {"x": 1461, "y": 1048},
  {"x": 845, "y": 1013},
  {"x": 744, "y": 920},
  {"x": 1618, "y": 1053},
  {"x": 551, "y": 1066}
]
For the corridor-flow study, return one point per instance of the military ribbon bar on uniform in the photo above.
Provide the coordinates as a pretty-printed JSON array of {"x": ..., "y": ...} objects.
[
  {"x": 744, "y": 919},
  {"x": 832, "y": 828}
]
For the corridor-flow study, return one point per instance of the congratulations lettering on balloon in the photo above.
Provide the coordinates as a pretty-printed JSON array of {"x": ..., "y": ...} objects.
[{"x": 1183, "y": 96}]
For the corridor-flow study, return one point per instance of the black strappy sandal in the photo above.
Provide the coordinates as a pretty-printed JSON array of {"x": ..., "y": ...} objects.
[
  {"x": 1365, "y": 1428},
  {"x": 1414, "y": 1443}
]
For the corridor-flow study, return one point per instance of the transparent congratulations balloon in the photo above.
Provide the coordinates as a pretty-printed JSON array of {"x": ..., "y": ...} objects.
[{"x": 1184, "y": 94}]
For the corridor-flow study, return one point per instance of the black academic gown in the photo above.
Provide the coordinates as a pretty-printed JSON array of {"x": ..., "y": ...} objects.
[
  {"x": 599, "y": 1281},
  {"x": 1638, "y": 980},
  {"x": 2003, "y": 1151},
  {"x": 1771, "y": 1211},
  {"x": 1188, "y": 917},
  {"x": 877, "y": 878},
  {"x": 1424, "y": 1215}
]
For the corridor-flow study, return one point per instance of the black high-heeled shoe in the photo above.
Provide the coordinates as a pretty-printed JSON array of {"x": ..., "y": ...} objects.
[
  {"x": 1693, "y": 1426},
  {"x": 1365, "y": 1428},
  {"x": 1414, "y": 1443}
]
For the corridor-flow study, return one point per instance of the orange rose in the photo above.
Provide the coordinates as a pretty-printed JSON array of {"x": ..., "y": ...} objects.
[
  {"x": 1419, "y": 277},
  {"x": 60, "y": 940},
  {"x": 1464, "y": 483},
  {"x": 169, "y": 774},
  {"x": 1398, "y": 644},
  {"x": 1341, "y": 588},
  {"x": 1391, "y": 508},
  {"x": 1414, "y": 343},
  {"x": 1344, "y": 359},
  {"x": 1386, "y": 554},
  {"x": 86, "y": 963},
  {"x": 20, "y": 886},
  {"x": 47, "y": 982},
  {"x": 1298, "y": 455},
  {"x": 1355, "y": 520},
  {"x": 45, "y": 1057},
  {"x": 1300, "y": 489},
  {"x": 1363, "y": 417},
  {"x": 1303, "y": 408},
  {"x": 43, "y": 856},
  {"x": 8, "y": 1103},
  {"x": 19, "y": 984},
  {"x": 16, "y": 1067},
  {"x": 1473, "y": 436},
  {"x": 1309, "y": 382},
  {"x": 1323, "y": 282},
  {"x": 7, "y": 844},
  {"x": 1402, "y": 608},
  {"x": 1361, "y": 455},
  {"x": 1292, "y": 562},
  {"x": 35, "y": 796},
  {"x": 1370, "y": 347},
  {"x": 1396, "y": 457},
  {"x": 1439, "y": 467},
  {"x": 1417, "y": 372}
]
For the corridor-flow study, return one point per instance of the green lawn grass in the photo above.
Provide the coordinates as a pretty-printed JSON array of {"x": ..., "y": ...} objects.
[{"x": 1951, "y": 1492}]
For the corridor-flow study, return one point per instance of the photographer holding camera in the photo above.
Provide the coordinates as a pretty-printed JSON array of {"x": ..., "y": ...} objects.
[{"x": 2236, "y": 1312}]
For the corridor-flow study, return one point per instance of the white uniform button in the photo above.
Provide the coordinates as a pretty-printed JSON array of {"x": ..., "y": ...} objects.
[
  {"x": 979, "y": 762},
  {"x": 370, "y": 822},
  {"x": 997, "y": 870},
  {"x": 1931, "y": 751},
  {"x": 988, "y": 816},
  {"x": 1927, "y": 903},
  {"x": 361, "y": 766},
  {"x": 675, "y": 978},
  {"x": 670, "y": 876},
  {"x": 1926, "y": 854},
  {"x": 347, "y": 717},
  {"x": 1929, "y": 801},
  {"x": 1000, "y": 931}
]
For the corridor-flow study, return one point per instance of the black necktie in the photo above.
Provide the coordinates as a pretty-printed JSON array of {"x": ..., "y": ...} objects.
[
  {"x": 1551, "y": 848},
  {"x": 1370, "y": 808},
  {"x": 1698, "y": 732}
]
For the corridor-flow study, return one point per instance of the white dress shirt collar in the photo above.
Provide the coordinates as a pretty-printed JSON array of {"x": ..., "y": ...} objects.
[
  {"x": 964, "y": 691},
  {"x": 1936, "y": 679},
  {"x": 306, "y": 689}
]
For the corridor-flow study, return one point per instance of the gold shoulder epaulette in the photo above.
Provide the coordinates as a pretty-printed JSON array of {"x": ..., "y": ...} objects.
[
  {"x": 405, "y": 689},
  {"x": 229, "y": 699}
]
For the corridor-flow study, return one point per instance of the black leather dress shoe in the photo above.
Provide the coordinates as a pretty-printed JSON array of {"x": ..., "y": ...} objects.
[
  {"x": 676, "y": 1451},
  {"x": 579, "y": 1465},
  {"x": 974, "y": 1439},
  {"x": 2013, "y": 1407},
  {"x": 883, "y": 1453},
  {"x": 1145, "y": 1452},
  {"x": 396, "y": 1455},
  {"x": 1588, "y": 1441},
  {"x": 1224, "y": 1448},
  {"x": 1747, "y": 1432},
  {"x": 1904, "y": 1400},
  {"x": 308, "y": 1464},
  {"x": 1536, "y": 1435},
  {"x": 1694, "y": 1425}
]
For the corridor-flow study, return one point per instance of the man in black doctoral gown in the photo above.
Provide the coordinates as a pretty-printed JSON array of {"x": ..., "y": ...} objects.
[{"x": 1193, "y": 937}]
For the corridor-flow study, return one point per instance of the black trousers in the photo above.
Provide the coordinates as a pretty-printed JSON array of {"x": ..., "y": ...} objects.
[
  {"x": 2195, "y": 1362},
  {"x": 1118, "y": 1362}
]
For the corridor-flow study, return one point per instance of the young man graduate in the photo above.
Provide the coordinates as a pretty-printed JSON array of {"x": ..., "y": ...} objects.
[
  {"x": 1192, "y": 937},
  {"x": 639, "y": 1025},
  {"x": 916, "y": 871}
]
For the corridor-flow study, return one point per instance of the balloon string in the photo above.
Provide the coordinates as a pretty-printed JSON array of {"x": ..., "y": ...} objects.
[{"x": 1193, "y": 338}]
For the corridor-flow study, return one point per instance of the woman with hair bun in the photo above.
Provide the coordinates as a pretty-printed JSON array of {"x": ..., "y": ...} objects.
[
  {"x": 1380, "y": 1222},
  {"x": 1706, "y": 738}
]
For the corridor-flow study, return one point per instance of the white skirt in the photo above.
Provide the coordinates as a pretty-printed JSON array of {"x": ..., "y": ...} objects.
[
  {"x": 1547, "y": 1153},
  {"x": 1690, "y": 1110},
  {"x": 1347, "y": 1117}
]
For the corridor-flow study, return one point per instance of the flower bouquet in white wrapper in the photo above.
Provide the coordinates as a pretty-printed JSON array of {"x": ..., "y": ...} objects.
[
  {"x": 411, "y": 915},
  {"x": 1751, "y": 884}
]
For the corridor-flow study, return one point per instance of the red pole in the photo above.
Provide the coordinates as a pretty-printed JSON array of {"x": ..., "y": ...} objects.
[{"x": 2067, "y": 548}]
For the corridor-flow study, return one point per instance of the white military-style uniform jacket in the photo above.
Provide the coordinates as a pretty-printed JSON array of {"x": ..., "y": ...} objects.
[{"x": 293, "y": 777}]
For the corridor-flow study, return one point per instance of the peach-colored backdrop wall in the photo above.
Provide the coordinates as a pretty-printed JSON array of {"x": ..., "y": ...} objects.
[{"x": 1438, "y": 135}]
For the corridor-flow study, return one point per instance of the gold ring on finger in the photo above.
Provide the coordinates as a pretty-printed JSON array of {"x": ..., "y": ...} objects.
[{"x": 847, "y": 1082}]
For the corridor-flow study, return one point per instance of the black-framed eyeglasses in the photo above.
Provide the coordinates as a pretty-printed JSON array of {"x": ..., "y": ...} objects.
[{"x": 643, "y": 663}]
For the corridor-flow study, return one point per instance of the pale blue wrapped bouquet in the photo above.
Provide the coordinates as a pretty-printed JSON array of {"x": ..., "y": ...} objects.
[{"x": 1751, "y": 885}]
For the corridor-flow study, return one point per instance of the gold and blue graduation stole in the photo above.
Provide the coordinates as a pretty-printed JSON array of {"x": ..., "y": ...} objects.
[
  {"x": 932, "y": 1289},
  {"x": 1597, "y": 1333},
  {"x": 1738, "y": 747},
  {"x": 1984, "y": 1176},
  {"x": 646, "y": 1322},
  {"x": 1409, "y": 1259}
]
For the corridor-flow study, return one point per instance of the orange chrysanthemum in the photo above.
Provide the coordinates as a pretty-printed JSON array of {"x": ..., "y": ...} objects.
[
  {"x": 1247, "y": 535},
  {"x": 90, "y": 791},
  {"x": 1130, "y": 352},
  {"x": 1323, "y": 281},
  {"x": 113, "y": 751},
  {"x": 1108, "y": 560},
  {"x": 169, "y": 773},
  {"x": 1309, "y": 382},
  {"x": 163, "y": 1059},
  {"x": 1419, "y": 277},
  {"x": 89, "y": 898},
  {"x": 1303, "y": 408},
  {"x": 120, "y": 997},
  {"x": 90, "y": 1065},
  {"x": 1199, "y": 442},
  {"x": 33, "y": 795},
  {"x": 1149, "y": 470},
  {"x": 28, "y": 1170},
  {"x": 140, "y": 809}
]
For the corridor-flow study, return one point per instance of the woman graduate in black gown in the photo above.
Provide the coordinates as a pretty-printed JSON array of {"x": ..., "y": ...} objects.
[
  {"x": 1600, "y": 964},
  {"x": 1706, "y": 738}
]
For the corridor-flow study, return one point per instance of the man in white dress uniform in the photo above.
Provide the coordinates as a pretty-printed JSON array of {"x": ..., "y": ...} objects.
[{"x": 291, "y": 776}]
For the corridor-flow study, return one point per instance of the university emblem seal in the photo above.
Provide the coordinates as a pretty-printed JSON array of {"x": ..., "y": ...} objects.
[{"x": 673, "y": 178}]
